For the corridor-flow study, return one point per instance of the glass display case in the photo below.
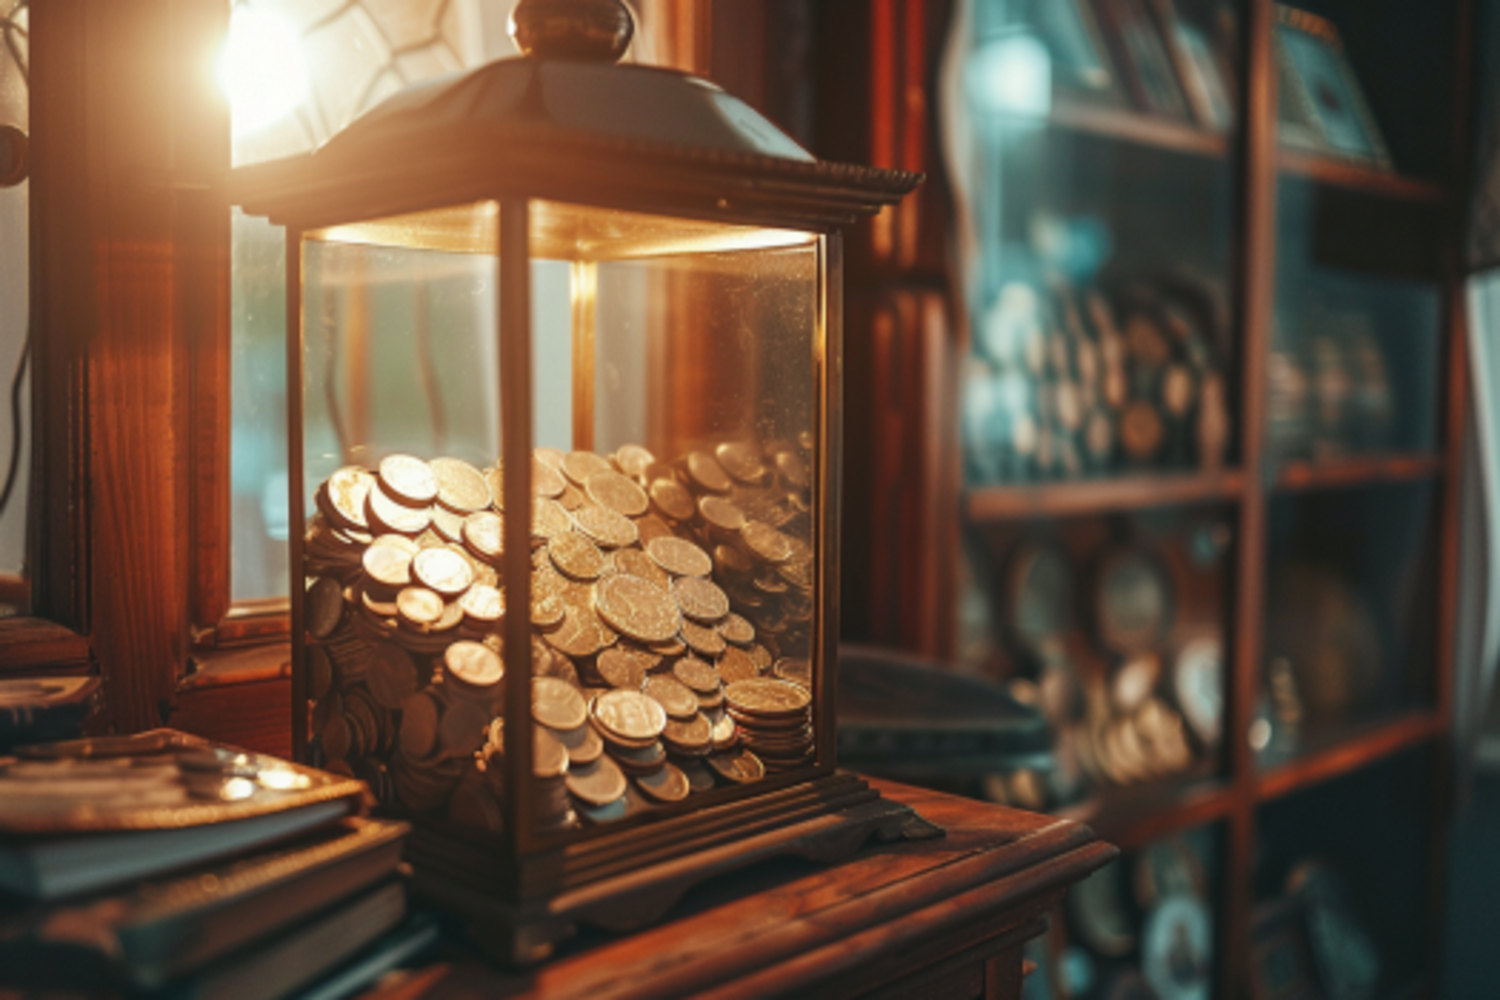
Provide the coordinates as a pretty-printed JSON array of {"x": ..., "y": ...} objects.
[{"x": 564, "y": 472}]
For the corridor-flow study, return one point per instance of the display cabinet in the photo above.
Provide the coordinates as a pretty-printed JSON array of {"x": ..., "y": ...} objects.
[
  {"x": 1170, "y": 442},
  {"x": 567, "y": 591}
]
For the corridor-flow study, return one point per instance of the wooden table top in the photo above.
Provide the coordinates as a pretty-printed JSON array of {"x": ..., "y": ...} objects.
[{"x": 789, "y": 925}]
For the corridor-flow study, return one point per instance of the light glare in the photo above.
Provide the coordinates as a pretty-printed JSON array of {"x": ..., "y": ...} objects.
[{"x": 261, "y": 70}]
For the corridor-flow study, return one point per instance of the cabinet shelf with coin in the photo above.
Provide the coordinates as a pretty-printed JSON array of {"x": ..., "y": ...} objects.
[
  {"x": 1113, "y": 627},
  {"x": 1176, "y": 329}
]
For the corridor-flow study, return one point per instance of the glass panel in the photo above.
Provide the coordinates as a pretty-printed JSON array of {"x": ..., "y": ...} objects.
[
  {"x": 1341, "y": 886},
  {"x": 675, "y": 542},
  {"x": 15, "y": 296},
  {"x": 1087, "y": 146},
  {"x": 297, "y": 72},
  {"x": 1114, "y": 628},
  {"x": 1354, "y": 377},
  {"x": 1350, "y": 614},
  {"x": 1141, "y": 927}
]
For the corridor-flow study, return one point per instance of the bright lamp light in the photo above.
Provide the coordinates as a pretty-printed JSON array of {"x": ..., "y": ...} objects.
[{"x": 261, "y": 69}]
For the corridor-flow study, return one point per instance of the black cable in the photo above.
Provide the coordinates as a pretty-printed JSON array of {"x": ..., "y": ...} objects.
[
  {"x": 9, "y": 29},
  {"x": 17, "y": 383}
]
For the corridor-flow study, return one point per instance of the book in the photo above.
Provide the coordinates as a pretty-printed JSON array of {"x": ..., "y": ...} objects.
[
  {"x": 301, "y": 955},
  {"x": 84, "y": 815},
  {"x": 161, "y": 930}
]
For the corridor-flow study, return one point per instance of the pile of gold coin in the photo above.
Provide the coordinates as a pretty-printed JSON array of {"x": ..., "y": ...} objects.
[
  {"x": 775, "y": 720},
  {"x": 671, "y": 612}
]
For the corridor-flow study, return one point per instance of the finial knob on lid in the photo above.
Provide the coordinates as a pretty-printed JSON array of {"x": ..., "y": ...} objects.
[{"x": 589, "y": 30}]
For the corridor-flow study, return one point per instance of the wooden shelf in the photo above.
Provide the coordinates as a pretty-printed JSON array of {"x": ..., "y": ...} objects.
[
  {"x": 1138, "y": 129},
  {"x": 1345, "y": 472},
  {"x": 989, "y": 504},
  {"x": 1347, "y": 751},
  {"x": 1338, "y": 173},
  {"x": 1133, "y": 817}
]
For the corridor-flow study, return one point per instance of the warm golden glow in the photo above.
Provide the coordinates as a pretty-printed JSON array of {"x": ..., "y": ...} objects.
[
  {"x": 564, "y": 232},
  {"x": 261, "y": 69}
]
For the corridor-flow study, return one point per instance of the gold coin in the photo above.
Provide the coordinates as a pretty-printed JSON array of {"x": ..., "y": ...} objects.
[
  {"x": 766, "y": 542},
  {"x": 701, "y": 639},
  {"x": 700, "y": 777},
  {"x": 408, "y": 480},
  {"x": 742, "y": 461},
  {"x": 735, "y": 665},
  {"x": 549, "y": 758},
  {"x": 792, "y": 470},
  {"x": 679, "y": 557},
  {"x": 575, "y": 556},
  {"x": 637, "y": 608},
  {"x": 609, "y": 488},
  {"x": 798, "y": 573},
  {"x": 634, "y": 562},
  {"x": 442, "y": 570},
  {"x": 794, "y": 669},
  {"x": 548, "y": 518},
  {"x": 609, "y": 528},
  {"x": 460, "y": 487},
  {"x": 675, "y": 697},
  {"x": 583, "y": 744},
  {"x": 572, "y": 498},
  {"x": 580, "y": 633},
  {"x": 705, "y": 470},
  {"x": 549, "y": 456},
  {"x": 419, "y": 606},
  {"x": 666, "y": 784},
  {"x": 387, "y": 514},
  {"x": 451, "y": 618},
  {"x": 546, "y": 479},
  {"x": 739, "y": 766},
  {"x": 633, "y": 460},
  {"x": 579, "y": 465},
  {"x": 473, "y": 663},
  {"x": 736, "y": 630},
  {"x": 484, "y": 534},
  {"x": 448, "y": 524},
  {"x": 765, "y": 696},
  {"x": 630, "y": 714},
  {"x": 722, "y": 514},
  {"x": 672, "y": 499},
  {"x": 694, "y": 734},
  {"x": 696, "y": 674},
  {"x": 625, "y": 668},
  {"x": 700, "y": 599},
  {"x": 324, "y": 606},
  {"x": 760, "y": 657},
  {"x": 672, "y": 647},
  {"x": 725, "y": 733},
  {"x": 483, "y": 603},
  {"x": 599, "y": 783},
  {"x": 557, "y": 704},
  {"x": 348, "y": 490},
  {"x": 547, "y": 610}
]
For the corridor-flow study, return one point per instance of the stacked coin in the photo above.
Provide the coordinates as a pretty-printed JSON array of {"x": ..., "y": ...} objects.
[
  {"x": 774, "y": 719},
  {"x": 654, "y": 585}
]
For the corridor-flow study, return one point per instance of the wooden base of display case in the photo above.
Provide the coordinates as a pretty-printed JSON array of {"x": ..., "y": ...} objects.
[{"x": 620, "y": 884}]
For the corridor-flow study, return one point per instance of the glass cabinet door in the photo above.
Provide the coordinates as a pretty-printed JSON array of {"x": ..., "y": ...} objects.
[
  {"x": 1089, "y": 151},
  {"x": 1355, "y": 369}
]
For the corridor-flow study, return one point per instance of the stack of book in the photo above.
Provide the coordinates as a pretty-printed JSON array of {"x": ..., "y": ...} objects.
[{"x": 161, "y": 863}]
